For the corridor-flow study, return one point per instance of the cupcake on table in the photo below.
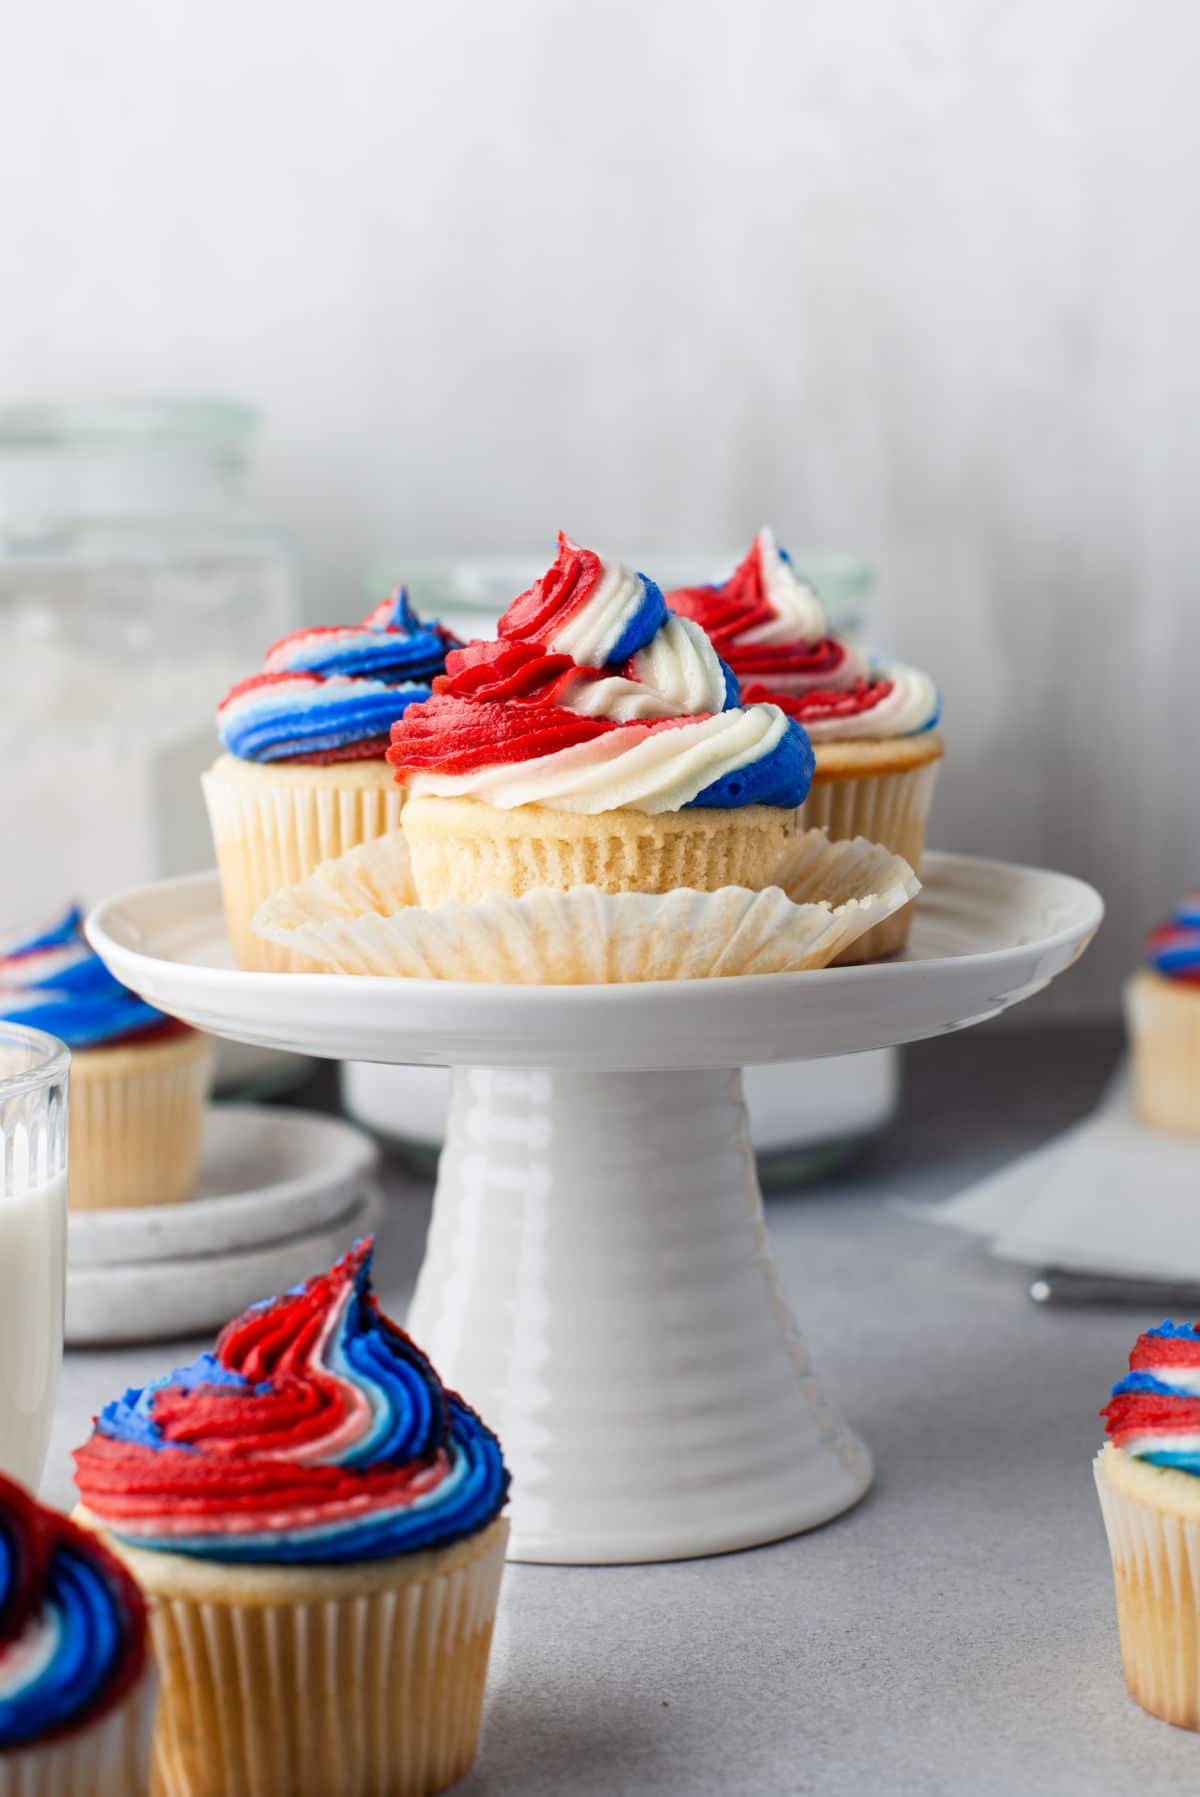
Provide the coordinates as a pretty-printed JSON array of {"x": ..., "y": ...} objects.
[
  {"x": 318, "y": 1522},
  {"x": 303, "y": 775},
  {"x": 77, "y": 1690},
  {"x": 1162, "y": 1006},
  {"x": 598, "y": 742},
  {"x": 139, "y": 1079},
  {"x": 872, "y": 724},
  {"x": 1148, "y": 1477}
]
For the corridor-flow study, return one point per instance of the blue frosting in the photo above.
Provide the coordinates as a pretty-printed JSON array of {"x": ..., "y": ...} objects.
[
  {"x": 781, "y": 777},
  {"x": 279, "y": 723},
  {"x": 81, "y": 1610},
  {"x": 52, "y": 980},
  {"x": 70, "y": 1614},
  {"x": 395, "y": 645},
  {"x": 644, "y": 622}
]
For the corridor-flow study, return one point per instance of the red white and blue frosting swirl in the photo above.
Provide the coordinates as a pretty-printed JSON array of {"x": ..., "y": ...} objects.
[
  {"x": 333, "y": 692},
  {"x": 1173, "y": 949},
  {"x": 317, "y": 1432},
  {"x": 51, "y": 979},
  {"x": 768, "y": 623},
  {"x": 72, "y": 1624},
  {"x": 593, "y": 698},
  {"x": 1154, "y": 1411}
]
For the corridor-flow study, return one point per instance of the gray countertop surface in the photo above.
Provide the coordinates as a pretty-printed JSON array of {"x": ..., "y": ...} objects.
[{"x": 955, "y": 1632}]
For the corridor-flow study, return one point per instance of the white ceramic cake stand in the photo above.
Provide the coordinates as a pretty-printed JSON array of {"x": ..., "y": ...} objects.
[{"x": 597, "y": 1280}]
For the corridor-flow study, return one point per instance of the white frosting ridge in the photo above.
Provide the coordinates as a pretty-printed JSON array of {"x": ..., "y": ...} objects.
[
  {"x": 678, "y": 674},
  {"x": 623, "y": 770},
  {"x": 26, "y": 1659},
  {"x": 1185, "y": 1379},
  {"x": 1160, "y": 1442},
  {"x": 589, "y": 635},
  {"x": 911, "y": 706},
  {"x": 799, "y": 614}
]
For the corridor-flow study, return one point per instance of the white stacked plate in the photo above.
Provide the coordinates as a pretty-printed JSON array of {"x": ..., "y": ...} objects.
[{"x": 281, "y": 1194}]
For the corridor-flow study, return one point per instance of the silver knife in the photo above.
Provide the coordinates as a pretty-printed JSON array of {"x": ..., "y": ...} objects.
[{"x": 1058, "y": 1285}]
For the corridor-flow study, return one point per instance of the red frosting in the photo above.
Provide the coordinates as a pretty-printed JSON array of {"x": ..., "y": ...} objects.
[
  {"x": 741, "y": 604},
  {"x": 821, "y": 703},
  {"x": 566, "y": 585},
  {"x": 502, "y": 702}
]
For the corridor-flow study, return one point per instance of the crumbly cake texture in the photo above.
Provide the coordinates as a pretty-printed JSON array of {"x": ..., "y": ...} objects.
[{"x": 465, "y": 850}]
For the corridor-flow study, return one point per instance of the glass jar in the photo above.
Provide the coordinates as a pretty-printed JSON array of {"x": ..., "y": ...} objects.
[{"x": 135, "y": 586}]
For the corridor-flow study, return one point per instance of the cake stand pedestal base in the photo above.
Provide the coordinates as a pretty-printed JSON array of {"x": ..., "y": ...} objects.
[{"x": 598, "y": 1284}]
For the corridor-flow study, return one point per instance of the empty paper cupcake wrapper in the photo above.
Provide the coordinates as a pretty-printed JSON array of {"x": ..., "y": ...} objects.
[
  {"x": 1156, "y": 1573},
  {"x": 378, "y": 1689},
  {"x": 891, "y": 809},
  {"x": 109, "y": 1755},
  {"x": 358, "y": 915},
  {"x": 136, "y": 1117},
  {"x": 270, "y": 835}
]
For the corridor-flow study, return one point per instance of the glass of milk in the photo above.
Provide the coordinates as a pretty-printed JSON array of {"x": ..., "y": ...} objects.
[{"x": 33, "y": 1242}]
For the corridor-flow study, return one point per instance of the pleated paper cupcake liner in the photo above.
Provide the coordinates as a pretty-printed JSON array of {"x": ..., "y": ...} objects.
[
  {"x": 357, "y": 915},
  {"x": 111, "y": 1757},
  {"x": 465, "y": 851},
  {"x": 1156, "y": 1574},
  {"x": 365, "y": 1681},
  {"x": 1164, "y": 1025},
  {"x": 891, "y": 809},
  {"x": 273, "y": 826},
  {"x": 136, "y": 1117}
]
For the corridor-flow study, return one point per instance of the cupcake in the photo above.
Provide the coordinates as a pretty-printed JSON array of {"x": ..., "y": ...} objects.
[
  {"x": 1148, "y": 1477},
  {"x": 317, "y": 1521},
  {"x": 139, "y": 1079},
  {"x": 303, "y": 775},
  {"x": 1162, "y": 1005},
  {"x": 77, "y": 1690},
  {"x": 599, "y": 742},
  {"x": 872, "y": 724}
]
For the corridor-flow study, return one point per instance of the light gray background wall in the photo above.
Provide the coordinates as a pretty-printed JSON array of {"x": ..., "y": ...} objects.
[{"x": 916, "y": 277}]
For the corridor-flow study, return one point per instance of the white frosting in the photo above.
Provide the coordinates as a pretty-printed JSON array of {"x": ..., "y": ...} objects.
[
  {"x": 854, "y": 667},
  {"x": 589, "y": 635},
  {"x": 799, "y": 614},
  {"x": 1181, "y": 1442},
  {"x": 1180, "y": 1378},
  {"x": 911, "y": 706},
  {"x": 25, "y": 1660},
  {"x": 623, "y": 770},
  {"x": 679, "y": 674}
]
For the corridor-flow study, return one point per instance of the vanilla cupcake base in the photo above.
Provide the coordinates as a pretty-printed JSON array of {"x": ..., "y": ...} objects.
[
  {"x": 1164, "y": 1023},
  {"x": 359, "y": 915},
  {"x": 274, "y": 822},
  {"x": 465, "y": 850},
  {"x": 109, "y": 1755},
  {"x": 883, "y": 791},
  {"x": 366, "y": 1680},
  {"x": 1152, "y": 1518},
  {"x": 136, "y": 1114}
]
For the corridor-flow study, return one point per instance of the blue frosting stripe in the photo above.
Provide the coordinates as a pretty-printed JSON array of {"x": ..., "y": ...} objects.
[
  {"x": 291, "y": 727},
  {"x": 80, "y": 1607},
  {"x": 780, "y": 777},
  {"x": 77, "y": 1000},
  {"x": 646, "y": 620},
  {"x": 79, "y": 1628}
]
